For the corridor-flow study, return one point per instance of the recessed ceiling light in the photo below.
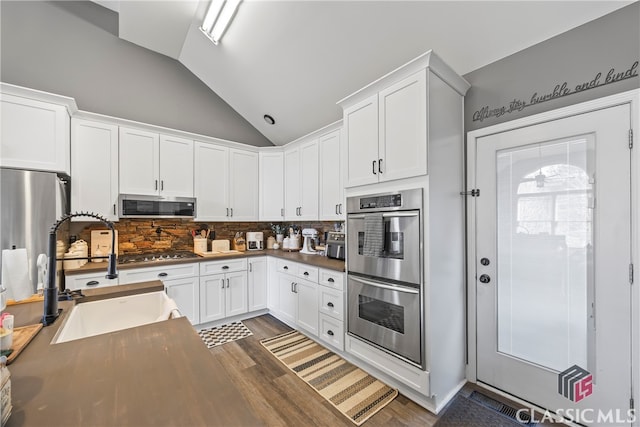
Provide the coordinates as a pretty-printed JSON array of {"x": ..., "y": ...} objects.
[{"x": 270, "y": 120}]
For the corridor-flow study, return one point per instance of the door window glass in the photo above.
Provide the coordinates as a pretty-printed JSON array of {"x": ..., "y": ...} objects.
[{"x": 545, "y": 251}]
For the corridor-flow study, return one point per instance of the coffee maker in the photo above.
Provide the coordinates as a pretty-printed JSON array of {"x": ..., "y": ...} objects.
[
  {"x": 309, "y": 235},
  {"x": 255, "y": 241}
]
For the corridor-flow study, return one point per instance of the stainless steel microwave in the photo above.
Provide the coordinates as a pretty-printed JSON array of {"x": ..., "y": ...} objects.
[{"x": 136, "y": 206}]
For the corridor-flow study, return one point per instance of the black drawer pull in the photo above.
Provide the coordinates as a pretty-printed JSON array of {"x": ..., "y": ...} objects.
[
  {"x": 163, "y": 274},
  {"x": 330, "y": 332},
  {"x": 306, "y": 273},
  {"x": 285, "y": 268},
  {"x": 330, "y": 280},
  {"x": 93, "y": 283},
  {"x": 225, "y": 267},
  {"x": 330, "y": 304}
]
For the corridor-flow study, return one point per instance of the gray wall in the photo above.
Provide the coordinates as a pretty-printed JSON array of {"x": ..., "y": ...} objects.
[
  {"x": 72, "y": 48},
  {"x": 574, "y": 58}
]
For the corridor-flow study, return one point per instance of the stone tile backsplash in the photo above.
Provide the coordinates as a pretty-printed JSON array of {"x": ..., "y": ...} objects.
[{"x": 159, "y": 235}]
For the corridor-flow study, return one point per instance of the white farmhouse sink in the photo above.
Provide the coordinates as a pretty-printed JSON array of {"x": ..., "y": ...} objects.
[{"x": 114, "y": 314}]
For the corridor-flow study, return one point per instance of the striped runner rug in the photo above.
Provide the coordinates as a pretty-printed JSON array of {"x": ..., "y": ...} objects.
[{"x": 348, "y": 388}]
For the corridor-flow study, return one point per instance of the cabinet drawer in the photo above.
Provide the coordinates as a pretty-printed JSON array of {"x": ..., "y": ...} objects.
[
  {"x": 332, "y": 331},
  {"x": 307, "y": 272},
  {"x": 331, "y": 278},
  {"x": 89, "y": 281},
  {"x": 287, "y": 267},
  {"x": 331, "y": 303},
  {"x": 169, "y": 272},
  {"x": 217, "y": 267}
]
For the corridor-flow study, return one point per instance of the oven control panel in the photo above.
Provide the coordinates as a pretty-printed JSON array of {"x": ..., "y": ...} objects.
[{"x": 378, "y": 202}]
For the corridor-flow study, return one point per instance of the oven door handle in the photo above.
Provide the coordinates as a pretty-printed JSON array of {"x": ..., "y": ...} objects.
[
  {"x": 390, "y": 287},
  {"x": 386, "y": 215}
]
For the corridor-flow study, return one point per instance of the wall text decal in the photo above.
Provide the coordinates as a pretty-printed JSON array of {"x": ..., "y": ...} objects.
[{"x": 558, "y": 91}]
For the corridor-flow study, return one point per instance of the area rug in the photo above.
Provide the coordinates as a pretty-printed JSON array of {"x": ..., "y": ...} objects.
[
  {"x": 348, "y": 388},
  {"x": 222, "y": 334},
  {"x": 464, "y": 412}
]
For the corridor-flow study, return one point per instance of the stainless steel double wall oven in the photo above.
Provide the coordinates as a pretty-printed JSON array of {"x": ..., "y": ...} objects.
[{"x": 385, "y": 277}]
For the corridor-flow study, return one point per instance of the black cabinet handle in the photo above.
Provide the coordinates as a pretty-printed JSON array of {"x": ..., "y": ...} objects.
[
  {"x": 380, "y": 166},
  {"x": 162, "y": 185},
  {"x": 163, "y": 274},
  {"x": 306, "y": 273},
  {"x": 330, "y": 304},
  {"x": 373, "y": 167},
  {"x": 330, "y": 332},
  {"x": 156, "y": 184},
  {"x": 285, "y": 268},
  {"x": 93, "y": 283},
  {"x": 225, "y": 267},
  {"x": 114, "y": 208},
  {"x": 330, "y": 280}
]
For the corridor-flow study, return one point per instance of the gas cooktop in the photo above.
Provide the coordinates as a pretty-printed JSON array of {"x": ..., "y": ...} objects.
[{"x": 154, "y": 257}]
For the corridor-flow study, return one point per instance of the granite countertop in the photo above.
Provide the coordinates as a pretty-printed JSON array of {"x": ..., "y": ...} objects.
[
  {"x": 160, "y": 374},
  {"x": 315, "y": 260}
]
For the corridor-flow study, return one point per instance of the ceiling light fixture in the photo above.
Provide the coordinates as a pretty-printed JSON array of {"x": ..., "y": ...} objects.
[
  {"x": 218, "y": 17},
  {"x": 270, "y": 120}
]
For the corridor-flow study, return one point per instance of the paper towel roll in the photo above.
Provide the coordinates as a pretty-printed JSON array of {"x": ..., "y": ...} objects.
[{"x": 15, "y": 274}]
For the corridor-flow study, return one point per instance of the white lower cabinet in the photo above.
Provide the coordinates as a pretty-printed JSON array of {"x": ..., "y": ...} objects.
[
  {"x": 331, "y": 331},
  {"x": 257, "y": 278},
  {"x": 307, "y": 296},
  {"x": 185, "y": 294},
  {"x": 287, "y": 299},
  {"x": 223, "y": 294},
  {"x": 88, "y": 281},
  {"x": 273, "y": 285},
  {"x": 331, "y": 307}
]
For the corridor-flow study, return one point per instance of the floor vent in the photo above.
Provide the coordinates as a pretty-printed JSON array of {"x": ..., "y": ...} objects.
[{"x": 524, "y": 418}]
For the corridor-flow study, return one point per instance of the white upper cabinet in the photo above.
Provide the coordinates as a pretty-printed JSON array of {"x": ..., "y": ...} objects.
[
  {"x": 387, "y": 126},
  {"x": 301, "y": 181},
  {"x": 243, "y": 185},
  {"x": 402, "y": 124},
  {"x": 361, "y": 129},
  {"x": 331, "y": 190},
  {"x": 94, "y": 168},
  {"x": 226, "y": 183},
  {"x": 153, "y": 164},
  {"x": 34, "y": 134},
  {"x": 176, "y": 166},
  {"x": 387, "y": 133},
  {"x": 271, "y": 193}
]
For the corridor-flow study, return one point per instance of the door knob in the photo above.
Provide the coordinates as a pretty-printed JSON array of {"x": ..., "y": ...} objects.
[{"x": 485, "y": 278}]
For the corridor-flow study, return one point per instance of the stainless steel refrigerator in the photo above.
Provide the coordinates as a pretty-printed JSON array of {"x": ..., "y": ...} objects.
[{"x": 30, "y": 203}]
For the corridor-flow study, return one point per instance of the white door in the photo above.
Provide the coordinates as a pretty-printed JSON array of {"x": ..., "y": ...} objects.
[
  {"x": 139, "y": 160},
  {"x": 331, "y": 192},
  {"x": 361, "y": 124},
  {"x": 307, "y": 315},
  {"x": 309, "y": 181},
  {"x": 292, "y": 184},
  {"x": 553, "y": 258},
  {"x": 271, "y": 194},
  {"x": 176, "y": 166},
  {"x": 212, "y": 301},
  {"x": 236, "y": 293},
  {"x": 185, "y": 293},
  {"x": 257, "y": 283},
  {"x": 211, "y": 182},
  {"x": 243, "y": 185}
]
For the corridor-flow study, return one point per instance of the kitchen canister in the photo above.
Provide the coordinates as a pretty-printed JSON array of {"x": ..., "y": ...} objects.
[
  {"x": 199, "y": 244},
  {"x": 270, "y": 242}
]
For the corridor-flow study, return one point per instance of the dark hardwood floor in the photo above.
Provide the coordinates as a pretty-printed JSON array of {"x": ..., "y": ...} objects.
[{"x": 279, "y": 398}]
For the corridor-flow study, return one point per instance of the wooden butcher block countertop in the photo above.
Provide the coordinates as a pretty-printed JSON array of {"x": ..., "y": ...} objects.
[{"x": 160, "y": 374}]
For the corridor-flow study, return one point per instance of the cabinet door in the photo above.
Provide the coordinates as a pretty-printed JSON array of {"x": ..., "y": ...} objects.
[
  {"x": 307, "y": 314},
  {"x": 288, "y": 300},
  {"x": 33, "y": 135},
  {"x": 94, "y": 171},
  {"x": 176, "y": 166},
  {"x": 361, "y": 125},
  {"x": 212, "y": 301},
  {"x": 309, "y": 181},
  {"x": 330, "y": 207},
  {"x": 211, "y": 182},
  {"x": 403, "y": 128},
  {"x": 185, "y": 293},
  {"x": 236, "y": 293},
  {"x": 139, "y": 155},
  {"x": 273, "y": 283},
  {"x": 243, "y": 185},
  {"x": 292, "y": 184},
  {"x": 271, "y": 186},
  {"x": 257, "y": 283}
]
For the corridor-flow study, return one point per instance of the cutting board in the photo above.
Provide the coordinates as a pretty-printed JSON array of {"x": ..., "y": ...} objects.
[
  {"x": 21, "y": 337},
  {"x": 219, "y": 245},
  {"x": 102, "y": 239},
  {"x": 217, "y": 253}
]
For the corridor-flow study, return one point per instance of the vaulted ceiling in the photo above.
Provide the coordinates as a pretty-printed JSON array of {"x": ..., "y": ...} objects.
[{"x": 294, "y": 59}]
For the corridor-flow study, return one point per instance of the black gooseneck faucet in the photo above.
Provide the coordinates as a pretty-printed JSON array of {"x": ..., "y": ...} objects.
[{"x": 51, "y": 290}]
